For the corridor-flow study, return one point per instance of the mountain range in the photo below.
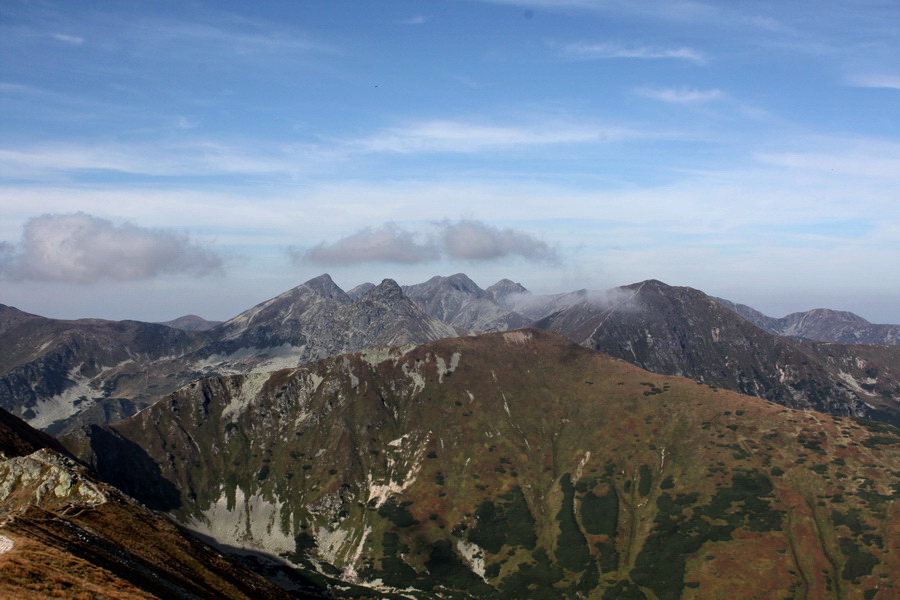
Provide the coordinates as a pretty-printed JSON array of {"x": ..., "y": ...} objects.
[
  {"x": 646, "y": 442},
  {"x": 59, "y": 375}
]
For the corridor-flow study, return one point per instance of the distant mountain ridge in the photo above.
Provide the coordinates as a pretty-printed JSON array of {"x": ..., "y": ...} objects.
[
  {"x": 191, "y": 323},
  {"x": 60, "y": 374},
  {"x": 820, "y": 324}
]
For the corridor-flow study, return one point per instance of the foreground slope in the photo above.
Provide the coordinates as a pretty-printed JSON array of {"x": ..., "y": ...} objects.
[
  {"x": 63, "y": 534},
  {"x": 682, "y": 331},
  {"x": 519, "y": 465}
]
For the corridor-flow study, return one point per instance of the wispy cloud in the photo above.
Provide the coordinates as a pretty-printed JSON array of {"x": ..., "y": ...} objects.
[
  {"x": 876, "y": 81},
  {"x": 242, "y": 37},
  {"x": 461, "y": 136},
  {"x": 466, "y": 239},
  {"x": 69, "y": 39},
  {"x": 196, "y": 158},
  {"x": 865, "y": 164},
  {"x": 415, "y": 20},
  {"x": 80, "y": 248},
  {"x": 615, "y": 50},
  {"x": 681, "y": 95}
]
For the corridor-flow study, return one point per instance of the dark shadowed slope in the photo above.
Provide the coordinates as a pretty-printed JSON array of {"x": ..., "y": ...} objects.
[{"x": 682, "y": 331}]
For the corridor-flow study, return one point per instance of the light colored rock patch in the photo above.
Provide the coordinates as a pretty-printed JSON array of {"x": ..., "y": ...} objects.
[
  {"x": 417, "y": 379},
  {"x": 402, "y": 471},
  {"x": 6, "y": 544},
  {"x": 375, "y": 356},
  {"x": 311, "y": 383},
  {"x": 349, "y": 574},
  {"x": 518, "y": 338},
  {"x": 474, "y": 555},
  {"x": 252, "y": 522},
  {"x": 354, "y": 380},
  {"x": 241, "y": 399},
  {"x": 396, "y": 443},
  {"x": 851, "y": 382},
  {"x": 62, "y": 406},
  {"x": 444, "y": 368},
  {"x": 581, "y": 464},
  {"x": 330, "y": 543},
  {"x": 45, "y": 475}
]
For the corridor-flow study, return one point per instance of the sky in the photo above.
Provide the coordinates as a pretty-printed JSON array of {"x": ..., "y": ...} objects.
[{"x": 167, "y": 158}]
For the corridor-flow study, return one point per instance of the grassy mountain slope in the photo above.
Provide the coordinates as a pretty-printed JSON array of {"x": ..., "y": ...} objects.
[{"x": 519, "y": 465}]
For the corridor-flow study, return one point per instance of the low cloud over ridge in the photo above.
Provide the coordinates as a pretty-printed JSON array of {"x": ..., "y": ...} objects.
[
  {"x": 81, "y": 248},
  {"x": 465, "y": 239}
]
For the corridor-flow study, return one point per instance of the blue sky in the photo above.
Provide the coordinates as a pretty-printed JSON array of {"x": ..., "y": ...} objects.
[{"x": 165, "y": 158}]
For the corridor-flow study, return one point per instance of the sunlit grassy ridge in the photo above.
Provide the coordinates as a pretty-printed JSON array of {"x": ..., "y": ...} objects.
[{"x": 519, "y": 465}]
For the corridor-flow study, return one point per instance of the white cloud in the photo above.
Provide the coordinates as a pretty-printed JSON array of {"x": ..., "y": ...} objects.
[
  {"x": 613, "y": 50},
  {"x": 681, "y": 95},
  {"x": 460, "y": 136},
  {"x": 864, "y": 164},
  {"x": 191, "y": 158},
  {"x": 465, "y": 239},
  {"x": 415, "y": 20},
  {"x": 81, "y": 248},
  {"x": 69, "y": 39},
  {"x": 876, "y": 81},
  {"x": 474, "y": 240},
  {"x": 388, "y": 243}
]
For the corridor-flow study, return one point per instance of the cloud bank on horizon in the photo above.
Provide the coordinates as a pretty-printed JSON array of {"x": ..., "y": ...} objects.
[
  {"x": 80, "y": 248},
  {"x": 464, "y": 239},
  {"x": 750, "y": 150}
]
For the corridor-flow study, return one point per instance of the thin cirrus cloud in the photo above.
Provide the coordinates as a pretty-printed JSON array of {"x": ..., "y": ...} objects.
[
  {"x": 613, "y": 50},
  {"x": 460, "y": 136},
  {"x": 876, "y": 81},
  {"x": 81, "y": 248},
  {"x": 681, "y": 95},
  {"x": 463, "y": 240}
]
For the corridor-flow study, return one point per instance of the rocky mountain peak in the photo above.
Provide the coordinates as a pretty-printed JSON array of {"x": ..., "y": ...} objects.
[
  {"x": 324, "y": 286},
  {"x": 360, "y": 290},
  {"x": 461, "y": 282},
  {"x": 388, "y": 290},
  {"x": 504, "y": 288}
]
